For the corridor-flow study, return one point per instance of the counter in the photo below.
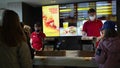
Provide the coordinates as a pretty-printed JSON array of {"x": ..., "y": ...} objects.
[
  {"x": 64, "y": 61},
  {"x": 77, "y": 61}
]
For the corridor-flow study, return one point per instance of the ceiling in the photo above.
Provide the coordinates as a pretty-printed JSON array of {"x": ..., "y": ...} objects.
[
  {"x": 48, "y": 2},
  {"x": 43, "y": 2}
]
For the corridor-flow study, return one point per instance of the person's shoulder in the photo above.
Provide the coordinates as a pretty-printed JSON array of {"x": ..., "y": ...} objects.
[
  {"x": 33, "y": 33},
  {"x": 42, "y": 33},
  {"x": 22, "y": 44},
  {"x": 117, "y": 38},
  {"x": 107, "y": 42},
  {"x": 86, "y": 22},
  {"x": 112, "y": 44}
]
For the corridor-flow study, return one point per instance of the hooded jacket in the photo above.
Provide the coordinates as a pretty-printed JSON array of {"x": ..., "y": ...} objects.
[{"x": 108, "y": 53}]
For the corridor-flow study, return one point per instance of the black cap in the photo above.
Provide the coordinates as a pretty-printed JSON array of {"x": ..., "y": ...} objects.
[
  {"x": 91, "y": 10},
  {"x": 108, "y": 25},
  {"x": 37, "y": 25}
]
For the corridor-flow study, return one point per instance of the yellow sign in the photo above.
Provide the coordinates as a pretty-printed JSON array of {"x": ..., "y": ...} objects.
[{"x": 51, "y": 20}]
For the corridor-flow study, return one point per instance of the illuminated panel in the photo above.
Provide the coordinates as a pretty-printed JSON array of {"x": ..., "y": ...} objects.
[{"x": 50, "y": 18}]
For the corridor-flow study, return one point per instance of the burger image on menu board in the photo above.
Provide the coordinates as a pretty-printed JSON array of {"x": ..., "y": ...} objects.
[
  {"x": 69, "y": 31},
  {"x": 72, "y": 29}
]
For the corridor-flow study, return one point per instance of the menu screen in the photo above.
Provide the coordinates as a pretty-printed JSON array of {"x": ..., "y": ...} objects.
[
  {"x": 68, "y": 19},
  {"x": 51, "y": 20},
  {"x": 105, "y": 8}
]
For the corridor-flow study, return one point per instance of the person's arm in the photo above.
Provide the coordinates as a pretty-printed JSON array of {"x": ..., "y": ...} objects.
[
  {"x": 44, "y": 36},
  {"x": 84, "y": 30},
  {"x": 43, "y": 41},
  {"x": 31, "y": 42},
  {"x": 84, "y": 33},
  {"x": 100, "y": 55},
  {"x": 24, "y": 56},
  {"x": 101, "y": 36}
]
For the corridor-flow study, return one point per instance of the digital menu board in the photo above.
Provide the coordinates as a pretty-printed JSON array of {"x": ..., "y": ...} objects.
[
  {"x": 63, "y": 20},
  {"x": 50, "y": 16},
  {"x": 106, "y": 8}
]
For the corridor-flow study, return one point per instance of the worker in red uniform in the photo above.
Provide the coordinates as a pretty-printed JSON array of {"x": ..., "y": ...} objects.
[
  {"x": 92, "y": 27},
  {"x": 37, "y": 38}
]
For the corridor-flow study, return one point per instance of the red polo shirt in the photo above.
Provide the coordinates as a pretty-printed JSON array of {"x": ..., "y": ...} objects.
[
  {"x": 92, "y": 28},
  {"x": 37, "y": 40}
]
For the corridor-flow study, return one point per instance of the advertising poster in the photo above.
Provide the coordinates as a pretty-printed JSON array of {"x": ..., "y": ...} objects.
[{"x": 50, "y": 16}]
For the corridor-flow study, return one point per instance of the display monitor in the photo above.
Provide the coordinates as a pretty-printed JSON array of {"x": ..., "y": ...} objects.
[
  {"x": 50, "y": 16},
  {"x": 67, "y": 19}
]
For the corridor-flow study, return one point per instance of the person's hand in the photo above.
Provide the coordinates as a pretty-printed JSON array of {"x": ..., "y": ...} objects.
[
  {"x": 40, "y": 49},
  {"x": 93, "y": 59},
  {"x": 84, "y": 34},
  {"x": 99, "y": 38}
]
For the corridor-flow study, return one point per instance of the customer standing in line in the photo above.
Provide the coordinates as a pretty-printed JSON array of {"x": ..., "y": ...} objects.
[
  {"x": 108, "y": 51},
  {"x": 14, "y": 51}
]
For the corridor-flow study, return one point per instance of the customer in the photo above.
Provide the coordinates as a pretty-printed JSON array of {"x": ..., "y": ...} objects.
[
  {"x": 14, "y": 51},
  {"x": 27, "y": 31},
  {"x": 37, "y": 37},
  {"x": 108, "y": 52},
  {"x": 92, "y": 26}
]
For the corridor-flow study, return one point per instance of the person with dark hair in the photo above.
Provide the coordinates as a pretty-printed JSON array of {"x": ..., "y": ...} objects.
[
  {"x": 108, "y": 51},
  {"x": 37, "y": 37},
  {"x": 14, "y": 51},
  {"x": 91, "y": 10},
  {"x": 92, "y": 26}
]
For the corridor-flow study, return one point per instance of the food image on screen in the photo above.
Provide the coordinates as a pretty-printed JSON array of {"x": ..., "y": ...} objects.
[
  {"x": 50, "y": 16},
  {"x": 70, "y": 31},
  {"x": 49, "y": 22}
]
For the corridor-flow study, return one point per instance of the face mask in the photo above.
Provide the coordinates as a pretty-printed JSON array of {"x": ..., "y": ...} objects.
[
  {"x": 92, "y": 18},
  {"x": 37, "y": 30}
]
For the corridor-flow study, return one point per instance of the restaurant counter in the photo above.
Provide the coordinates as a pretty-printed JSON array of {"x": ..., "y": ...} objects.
[{"x": 69, "y": 59}]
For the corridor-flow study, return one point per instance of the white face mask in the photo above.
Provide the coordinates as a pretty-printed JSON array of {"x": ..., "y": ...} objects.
[{"x": 92, "y": 18}]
